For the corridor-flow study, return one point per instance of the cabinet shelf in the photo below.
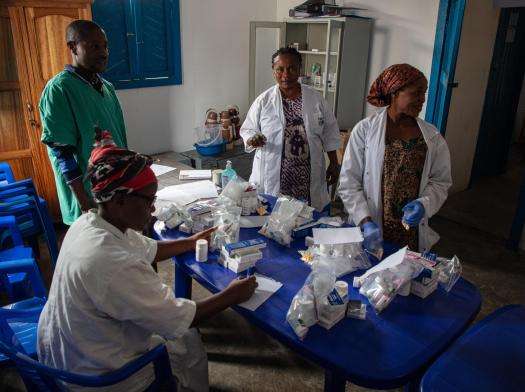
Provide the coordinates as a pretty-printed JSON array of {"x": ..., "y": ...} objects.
[{"x": 317, "y": 53}]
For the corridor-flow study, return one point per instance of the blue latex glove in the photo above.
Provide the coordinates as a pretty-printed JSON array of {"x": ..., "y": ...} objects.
[
  {"x": 413, "y": 213},
  {"x": 372, "y": 239}
]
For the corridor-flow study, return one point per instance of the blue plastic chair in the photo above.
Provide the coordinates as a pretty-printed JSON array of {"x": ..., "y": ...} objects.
[
  {"x": 6, "y": 174},
  {"x": 490, "y": 356},
  {"x": 32, "y": 217},
  {"x": 19, "y": 320},
  {"x": 38, "y": 377},
  {"x": 16, "y": 284}
]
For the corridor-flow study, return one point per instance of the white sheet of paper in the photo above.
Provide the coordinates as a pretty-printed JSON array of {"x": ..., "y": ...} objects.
[
  {"x": 194, "y": 174},
  {"x": 340, "y": 235},
  {"x": 389, "y": 262},
  {"x": 248, "y": 222},
  {"x": 159, "y": 170},
  {"x": 266, "y": 288},
  {"x": 188, "y": 193}
]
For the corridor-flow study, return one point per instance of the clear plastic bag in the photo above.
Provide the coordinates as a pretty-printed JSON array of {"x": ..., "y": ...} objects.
[
  {"x": 173, "y": 215},
  {"x": 303, "y": 311},
  {"x": 382, "y": 286},
  {"x": 282, "y": 220},
  {"x": 227, "y": 220},
  {"x": 234, "y": 190},
  {"x": 449, "y": 271},
  {"x": 345, "y": 258}
]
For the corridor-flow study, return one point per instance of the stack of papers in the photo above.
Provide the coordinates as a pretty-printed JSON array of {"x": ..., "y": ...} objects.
[
  {"x": 194, "y": 174},
  {"x": 188, "y": 193},
  {"x": 159, "y": 170},
  {"x": 267, "y": 286}
]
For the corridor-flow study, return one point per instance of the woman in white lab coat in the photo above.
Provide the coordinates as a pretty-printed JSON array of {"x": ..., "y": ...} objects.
[
  {"x": 298, "y": 127},
  {"x": 396, "y": 168}
]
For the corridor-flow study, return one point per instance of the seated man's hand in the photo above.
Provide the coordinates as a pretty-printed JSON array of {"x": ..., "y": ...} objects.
[
  {"x": 256, "y": 141},
  {"x": 240, "y": 290}
]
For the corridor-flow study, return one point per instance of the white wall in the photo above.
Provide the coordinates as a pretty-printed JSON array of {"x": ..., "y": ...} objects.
[
  {"x": 480, "y": 23},
  {"x": 403, "y": 32},
  {"x": 215, "y": 57}
]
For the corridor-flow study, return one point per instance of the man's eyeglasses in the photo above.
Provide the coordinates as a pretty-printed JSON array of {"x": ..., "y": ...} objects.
[{"x": 150, "y": 199}]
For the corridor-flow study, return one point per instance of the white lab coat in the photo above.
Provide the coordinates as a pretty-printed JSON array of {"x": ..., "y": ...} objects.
[
  {"x": 360, "y": 182},
  {"x": 107, "y": 307},
  {"x": 266, "y": 115}
]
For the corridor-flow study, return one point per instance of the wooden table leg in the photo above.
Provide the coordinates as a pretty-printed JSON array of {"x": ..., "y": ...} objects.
[
  {"x": 333, "y": 382},
  {"x": 182, "y": 283}
]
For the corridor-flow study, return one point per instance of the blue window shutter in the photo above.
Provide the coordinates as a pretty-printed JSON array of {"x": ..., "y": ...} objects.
[
  {"x": 144, "y": 41},
  {"x": 158, "y": 37},
  {"x": 114, "y": 16}
]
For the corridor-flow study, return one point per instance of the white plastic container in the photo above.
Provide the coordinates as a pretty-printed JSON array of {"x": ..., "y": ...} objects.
[{"x": 201, "y": 250}]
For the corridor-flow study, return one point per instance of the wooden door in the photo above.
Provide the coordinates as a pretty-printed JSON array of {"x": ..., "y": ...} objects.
[
  {"x": 15, "y": 141},
  {"x": 39, "y": 29}
]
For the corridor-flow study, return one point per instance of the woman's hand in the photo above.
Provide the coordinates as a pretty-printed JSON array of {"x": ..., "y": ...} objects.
[
  {"x": 332, "y": 173},
  {"x": 413, "y": 213},
  {"x": 256, "y": 141},
  {"x": 203, "y": 235},
  {"x": 240, "y": 290}
]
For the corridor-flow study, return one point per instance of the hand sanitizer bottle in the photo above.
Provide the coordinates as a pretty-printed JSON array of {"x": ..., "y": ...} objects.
[{"x": 228, "y": 174}]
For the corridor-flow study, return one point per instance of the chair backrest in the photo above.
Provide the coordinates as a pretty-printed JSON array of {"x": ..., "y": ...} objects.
[
  {"x": 24, "y": 191},
  {"x": 6, "y": 174},
  {"x": 38, "y": 377}
]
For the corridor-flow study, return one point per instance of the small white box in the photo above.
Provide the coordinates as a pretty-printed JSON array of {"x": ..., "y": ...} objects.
[
  {"x": 308, "y": 241},
  {"x": 239, "y": 267},
  {"x": 185, "y": 228},
  {"x": 423, "y": 290},
  {"x": 337, "y": 315}
]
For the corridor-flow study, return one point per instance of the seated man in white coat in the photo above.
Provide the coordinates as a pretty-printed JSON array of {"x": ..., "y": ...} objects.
[
  {"x": 298, "y": 128},
  {"x": 396, "y": 168},
  {"x": 106, "y": 304}
]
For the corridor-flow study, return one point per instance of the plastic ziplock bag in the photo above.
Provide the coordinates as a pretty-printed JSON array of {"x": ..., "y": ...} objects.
[
  {"x": 345, "y": 258},
  {"x": 227, "y": 221},
  {"x": 382, "y": 286},
  {"x": 302, "y": 313},
  {"x": 173, "y": 215},
  {"x": 449, "y": 272},
  {"x": 282, "y": 220},
  {"x": 234, "y": 190}
]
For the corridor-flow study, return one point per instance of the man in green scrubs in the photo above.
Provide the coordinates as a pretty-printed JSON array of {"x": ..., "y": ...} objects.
[{"x": 72, "y": 105}]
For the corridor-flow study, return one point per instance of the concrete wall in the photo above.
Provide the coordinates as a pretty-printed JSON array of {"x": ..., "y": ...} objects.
[
  {"x": 215, "y": 57},
  {"x": 404, "y": 32},
  {"x": 472, "y": 70}
]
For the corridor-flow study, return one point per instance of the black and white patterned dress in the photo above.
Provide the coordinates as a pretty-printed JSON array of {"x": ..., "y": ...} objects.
[{"x": 295, "y": 160}]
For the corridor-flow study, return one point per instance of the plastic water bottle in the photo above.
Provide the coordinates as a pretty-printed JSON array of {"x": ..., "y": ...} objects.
[{"x": 228, "y": 174}]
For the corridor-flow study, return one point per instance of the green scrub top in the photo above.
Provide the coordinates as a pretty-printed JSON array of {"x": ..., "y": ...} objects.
[{"x": 70, "y": 108}]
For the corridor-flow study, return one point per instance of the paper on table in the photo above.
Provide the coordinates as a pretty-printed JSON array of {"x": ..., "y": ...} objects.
[
  {"x": 248, "y": 222},
  {"x": 194, "y": 174},
  {"x": 159, "y": 170},
  {"x": 340, "y": 235},
  {"x": 266, "y": 288},
  {"x": 389, "y": 262},
  {"x": 188, "y": 193}
]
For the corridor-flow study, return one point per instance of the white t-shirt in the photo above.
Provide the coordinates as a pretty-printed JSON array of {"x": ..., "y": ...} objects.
[{"x": 106, "y": 303}]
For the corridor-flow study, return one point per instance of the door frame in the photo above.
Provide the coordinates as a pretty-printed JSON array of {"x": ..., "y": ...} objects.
[
  {"x": 491, "y": 159},
  {"x": 446, "y": 47},
  {"x": 281, "y": 26}
]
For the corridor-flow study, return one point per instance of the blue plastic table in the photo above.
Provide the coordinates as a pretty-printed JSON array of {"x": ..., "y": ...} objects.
[
  {"x": 490, "y": 356},
  {"x": 384, "y": 351}
]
